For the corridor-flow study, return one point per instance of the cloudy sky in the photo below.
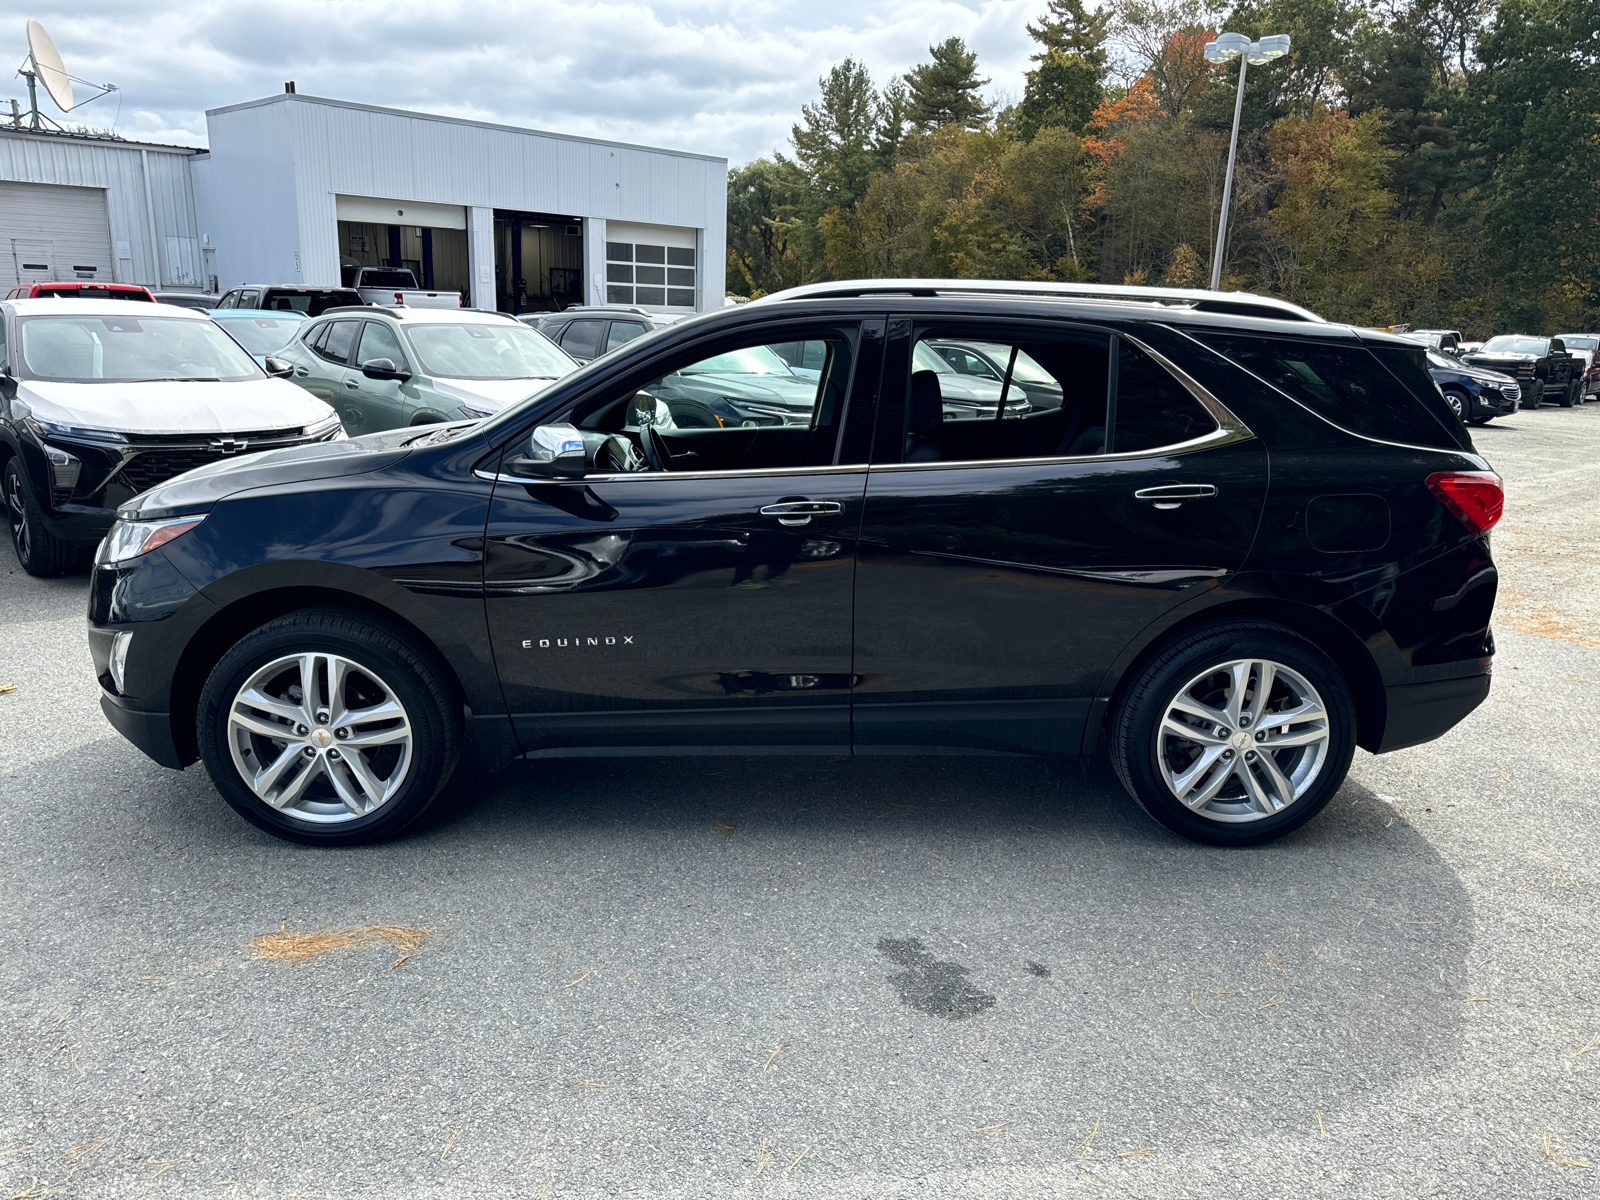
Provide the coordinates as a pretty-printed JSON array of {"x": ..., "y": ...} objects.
[{"x": 723, "y": 77}]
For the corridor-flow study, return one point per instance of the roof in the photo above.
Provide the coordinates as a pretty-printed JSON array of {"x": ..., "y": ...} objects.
[
  {"x": 108, "y": 140},
  {"x": 294, "y": 287},
  {"x": 1195, "y": 299},
  {"x": 302, "y": 98},
  {"x": 102, "y": 308},
  {"x": 291, "y": 314},
  {"x": 420, "y": 316}
]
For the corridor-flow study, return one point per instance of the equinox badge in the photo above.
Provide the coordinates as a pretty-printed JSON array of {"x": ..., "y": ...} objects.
[{"x": 558, "y": 643}]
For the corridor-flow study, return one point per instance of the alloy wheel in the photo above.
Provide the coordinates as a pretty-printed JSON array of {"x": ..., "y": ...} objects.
[
  {"x": 17, "y": 513},
  {"x": 1454, "y": 401},
  {"x": 1243, "y": 740},
  {"x": 320, "y": 737}
]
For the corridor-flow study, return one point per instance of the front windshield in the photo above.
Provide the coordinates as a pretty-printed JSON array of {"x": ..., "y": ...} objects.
[
  {"x": 130, "y": 349},
  {"x": 261, "y": 335},
  {"x": 1508, "y": 343},
  {"x": 754, "y": 360},
  {"x": 488, "y": 351}
]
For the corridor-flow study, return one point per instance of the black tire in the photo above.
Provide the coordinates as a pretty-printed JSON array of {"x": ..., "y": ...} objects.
[
  {"x": 1460, "y": 403},
  {"x": 421, "y": 687},
  {"x": 40, "y": 552},
  {"x": 1147, "y": 698},
  {"x": 1534, "y": 396},
  {"x": 1568, "y": 396}
]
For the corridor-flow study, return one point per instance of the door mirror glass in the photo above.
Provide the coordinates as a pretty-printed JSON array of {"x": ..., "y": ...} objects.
[
  {"x": 553, "y": 452},
  {"x": 278, "y": 368},
  {"x": 383, "y": 368}
]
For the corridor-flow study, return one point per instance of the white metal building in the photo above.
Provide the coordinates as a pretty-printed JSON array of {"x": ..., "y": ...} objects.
[
  {"x": 74, "y": 207},
  {"x": 296, "y": 189}
]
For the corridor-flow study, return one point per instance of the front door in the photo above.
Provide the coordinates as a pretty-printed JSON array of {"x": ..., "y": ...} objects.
[
  {"x": 696, "y": 588},
  {"x": 1007, "y": 557},
  {"x": 383, "y": 403}
]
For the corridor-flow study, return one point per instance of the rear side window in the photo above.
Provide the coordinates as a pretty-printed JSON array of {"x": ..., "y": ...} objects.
[
  {"x": 1153, "y": 408},
  {"x": 341, "y": 336},
  {"x": 1348, "y": 385},
  {"x": 582, "y": 338}
]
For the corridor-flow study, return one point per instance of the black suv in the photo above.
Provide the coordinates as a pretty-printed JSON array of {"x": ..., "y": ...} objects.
[{"x": 330, "y": 628}]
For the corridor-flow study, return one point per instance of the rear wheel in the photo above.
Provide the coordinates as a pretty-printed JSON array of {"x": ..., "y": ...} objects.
[
  {"x": 324, "y": 727},
  {"x": 38, "y": 550},
  {"x": 1235, "y": 735}
]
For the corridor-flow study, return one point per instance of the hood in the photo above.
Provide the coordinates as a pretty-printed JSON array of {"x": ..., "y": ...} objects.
[
  {"x": 500, "y": 393},
  {"x": 198, "y": 490},
  {"x": 779, "y": 391},
  {"x": 1499, "y": 356},
  {"x": 181, "y": 407}
]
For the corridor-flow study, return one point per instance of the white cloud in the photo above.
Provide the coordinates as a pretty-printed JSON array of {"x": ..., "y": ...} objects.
[{"x": 714, "y": 76}]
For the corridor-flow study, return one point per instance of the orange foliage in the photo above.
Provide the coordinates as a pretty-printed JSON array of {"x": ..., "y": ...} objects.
[{"x": 1100, "y": 140}]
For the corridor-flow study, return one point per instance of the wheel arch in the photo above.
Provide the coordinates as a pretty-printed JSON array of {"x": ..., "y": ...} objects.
[
  {"x": 1333, "y": 636},
  {"x": 234, "y": 620}
]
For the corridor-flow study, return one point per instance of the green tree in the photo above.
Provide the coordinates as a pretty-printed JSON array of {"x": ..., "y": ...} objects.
[
  {"x": 763, "y": 252},
  {"x": 945, "y": 90},
  {"x": 834, "y": 139},
  {"x": 893, "y": 123},
  {"x": 1063, "y": 92},
  {"x": 1068, "y": 28},
  {"x": 1395, "y": 76}
]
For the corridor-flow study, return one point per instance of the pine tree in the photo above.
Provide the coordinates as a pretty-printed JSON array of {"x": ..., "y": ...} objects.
[
  {"x": 894, "y": 120},
  {"x": 834, "y": 141},
  {"x": 945, "y": 91},
  {"x": 1071, "y": 28},
  {"x": 1062, "y": 92}
]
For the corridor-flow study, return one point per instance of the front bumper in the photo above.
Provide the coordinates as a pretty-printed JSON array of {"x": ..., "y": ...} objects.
[{"x": 150, "y": 731}]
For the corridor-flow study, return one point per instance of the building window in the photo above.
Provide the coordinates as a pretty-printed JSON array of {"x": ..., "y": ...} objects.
[{"x": 659, "y": 275}]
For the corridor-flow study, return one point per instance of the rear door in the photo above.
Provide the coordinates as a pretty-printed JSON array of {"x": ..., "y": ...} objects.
[
  {"x": 326, "y": 377},
  {"x": 705, "y": 604},
  {"x": 1005, "y": 561}
]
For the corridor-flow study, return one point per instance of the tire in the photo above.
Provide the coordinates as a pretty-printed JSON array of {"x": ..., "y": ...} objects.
[
  {"x": 1144, "y": 753},
  {"x": 1460, "y": 403},
  {"x": 326, "y": 797},
  {"x": 1568, "y": 398},
  {"x": 40, "y": 552},
  {"x": 1534, "y": 396}
]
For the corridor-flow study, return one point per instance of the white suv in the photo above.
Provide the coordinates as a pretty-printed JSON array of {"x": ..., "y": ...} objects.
[{"x": 102, "y": 400}]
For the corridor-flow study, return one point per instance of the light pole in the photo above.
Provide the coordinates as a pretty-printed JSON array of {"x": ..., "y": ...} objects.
[{"x": 1227, "y": 47}]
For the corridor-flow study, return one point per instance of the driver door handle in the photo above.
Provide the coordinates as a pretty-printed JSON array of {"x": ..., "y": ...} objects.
[
  {"x": 800, "y": 512},
  {"x": 1171, "y": 495}
]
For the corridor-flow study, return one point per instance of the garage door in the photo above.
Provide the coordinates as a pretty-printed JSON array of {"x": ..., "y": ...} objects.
[{"x": 52, "y": 232}]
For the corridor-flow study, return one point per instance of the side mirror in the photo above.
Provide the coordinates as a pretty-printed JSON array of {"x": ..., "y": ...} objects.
[
  {"x": 1557, "y": 346},
  {"x": 279, "y": 368},
  {"x": 383, "y": 368},
  {"x": 554, "y": 452}
]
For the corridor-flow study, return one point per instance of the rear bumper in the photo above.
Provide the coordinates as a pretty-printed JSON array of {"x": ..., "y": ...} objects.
[
  {"x": 1420, "y": 712},
  {"x": 150, "y": 731}
]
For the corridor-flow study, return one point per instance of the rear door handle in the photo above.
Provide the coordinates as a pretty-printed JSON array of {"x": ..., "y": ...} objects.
[
  {"x": 1171, "y": 495},
  {"x": 800, "y": 512}
]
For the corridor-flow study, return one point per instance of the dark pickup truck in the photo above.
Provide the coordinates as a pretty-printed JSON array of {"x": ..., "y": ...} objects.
[{"x": 1540, "y": 365}]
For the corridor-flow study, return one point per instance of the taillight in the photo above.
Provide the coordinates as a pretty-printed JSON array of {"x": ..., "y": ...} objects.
[
  {"x": 399, "y": 297},
  {"x": 1476, "y": 497}
]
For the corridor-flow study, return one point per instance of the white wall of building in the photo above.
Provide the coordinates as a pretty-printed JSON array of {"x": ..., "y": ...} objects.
[
  {"x": 266, "y": 192},
  {"x": 150, "y": 205}
]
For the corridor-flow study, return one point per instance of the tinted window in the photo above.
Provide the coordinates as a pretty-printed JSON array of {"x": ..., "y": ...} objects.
[
  {"x": 375, "y": 277},
  {"x": 623, "y": 332},
  {"x": 1055, "y": 398},
  {"x": 582, "y": 338},
  {"x": 1346, "y": 384},
  {"x": 341, "y": 336},
  {"x": 1153, "y": 408}
]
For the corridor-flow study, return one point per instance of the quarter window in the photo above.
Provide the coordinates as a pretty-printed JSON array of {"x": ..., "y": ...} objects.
[
  {"x": 622, "y": 332},
  {"x": 582, "y": 338},
  {"x": 336, "y": 346},
  {"x": 1153, "y": 408}
]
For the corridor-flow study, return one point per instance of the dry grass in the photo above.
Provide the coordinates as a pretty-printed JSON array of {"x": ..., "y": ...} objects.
[
  {"x": 797, "y": 1159},
  {"x": 997, "y": 1127},
  {"x": 1133, "y": 1153},
  {"x": 1321, "y": 1128},
  {"x": 451, "y": 1144},
  {"x": 1088, "y": 1142},
  {"x": 1588, "y": 1046},
  {"x": 773, "y": 1057},
  {"x": 302, "y": 947},
  {"x": 1549, "y": 1152}
]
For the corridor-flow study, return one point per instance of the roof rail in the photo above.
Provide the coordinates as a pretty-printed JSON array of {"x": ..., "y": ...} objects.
[{"x": 1238, "y": 303}]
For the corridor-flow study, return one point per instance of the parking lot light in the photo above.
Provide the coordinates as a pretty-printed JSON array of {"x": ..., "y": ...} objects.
[{"x": 1226, "y": 48}]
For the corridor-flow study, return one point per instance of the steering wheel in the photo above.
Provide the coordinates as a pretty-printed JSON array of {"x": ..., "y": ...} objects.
[{"x": 655, "y": 449}]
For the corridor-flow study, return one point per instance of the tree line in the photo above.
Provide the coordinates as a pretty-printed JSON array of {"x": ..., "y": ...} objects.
[{"x": 1429, "y": 162}]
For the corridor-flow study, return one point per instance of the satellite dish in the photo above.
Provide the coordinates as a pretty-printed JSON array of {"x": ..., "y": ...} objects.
[{"x": 48, "y": 66}]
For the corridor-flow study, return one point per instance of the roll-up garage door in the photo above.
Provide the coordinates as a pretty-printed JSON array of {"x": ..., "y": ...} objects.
[{"x": 53, "y": 232}]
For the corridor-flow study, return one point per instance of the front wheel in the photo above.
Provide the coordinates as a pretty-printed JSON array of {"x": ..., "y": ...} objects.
[
  {"x": 38, "y": 550},
  {"x": 1459, "y": 404},
  {"x": 325, "y": 727},
  {"x": 1235, "y": 735},
  {"x": 1569, "y": 396}
]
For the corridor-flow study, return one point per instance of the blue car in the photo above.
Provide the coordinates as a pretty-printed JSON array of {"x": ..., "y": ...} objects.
[
  {"x": 1476, "y": 395},
  {"x": 261, "y": 331}
]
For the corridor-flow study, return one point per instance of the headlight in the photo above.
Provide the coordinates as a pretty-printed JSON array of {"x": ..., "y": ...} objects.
[
  {"x": 329, "y": 427},
  {"x": 129, "y": 539},
  {"x": 119, "y": 659},
  {"x": 477, "y": 412},
  {"x": 64, "y": 468},
  {"x": 51, "y": 428}
]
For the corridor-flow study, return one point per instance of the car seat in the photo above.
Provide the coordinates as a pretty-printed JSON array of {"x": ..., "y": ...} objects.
[{"x": 925, "y": 420}]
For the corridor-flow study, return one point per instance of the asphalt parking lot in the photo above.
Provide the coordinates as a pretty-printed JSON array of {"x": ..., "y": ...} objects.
[{"x": 822, "y": 977}]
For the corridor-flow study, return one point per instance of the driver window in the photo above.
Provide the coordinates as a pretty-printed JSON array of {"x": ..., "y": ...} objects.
[{"x": 746, "y": 408}]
